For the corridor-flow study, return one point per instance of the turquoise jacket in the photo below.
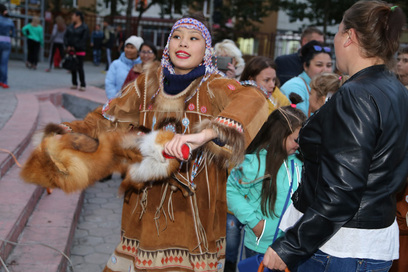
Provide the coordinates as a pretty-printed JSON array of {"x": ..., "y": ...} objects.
[
  {"x": 244, "y": 200},
  {"x": 297, "y": 85},
  {"x": 35, "y": 33}
]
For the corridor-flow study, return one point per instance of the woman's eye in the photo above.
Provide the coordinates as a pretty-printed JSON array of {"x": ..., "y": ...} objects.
[
  {"x": 194, "y": 38},
  {"x": 176, "y": 37}
]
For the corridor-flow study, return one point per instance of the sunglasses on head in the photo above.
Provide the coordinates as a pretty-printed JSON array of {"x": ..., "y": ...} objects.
[{"x": 318, "y": 48}]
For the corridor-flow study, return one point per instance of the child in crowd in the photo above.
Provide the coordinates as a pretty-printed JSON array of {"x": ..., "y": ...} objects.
[
  {"x": 259, "y": 190},
  {"x": 261, "y": 72},
  {"x": 322, "y": 87}
]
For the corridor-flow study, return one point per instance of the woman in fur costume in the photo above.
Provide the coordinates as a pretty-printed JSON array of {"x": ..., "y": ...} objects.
[{"x": 179, "y": 222}]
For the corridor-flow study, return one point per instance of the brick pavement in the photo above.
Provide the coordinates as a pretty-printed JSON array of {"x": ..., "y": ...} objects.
[{"x": 98, "y": 230}]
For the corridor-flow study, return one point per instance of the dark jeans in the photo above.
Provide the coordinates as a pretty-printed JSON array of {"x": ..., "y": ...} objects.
[
  {"x": 322, "y": 262},
  {"x": 234, "y": 228},
  {"x": 97, "y": 53},
  {"x": 33, "y": 48},
  {"x": 80, "y": 70},
  {"x": 5, "y": 49},
  {"x": 54, "y": 47}
]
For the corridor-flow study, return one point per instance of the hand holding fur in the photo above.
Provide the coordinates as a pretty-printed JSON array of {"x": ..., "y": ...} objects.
[{"x": 74, "y": 161}]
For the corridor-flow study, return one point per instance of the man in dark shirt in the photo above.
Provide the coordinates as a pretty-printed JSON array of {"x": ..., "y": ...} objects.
[{"x": 289, "y": 66}]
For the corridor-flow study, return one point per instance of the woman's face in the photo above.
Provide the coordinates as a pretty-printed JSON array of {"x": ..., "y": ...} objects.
[
  {"x": 339, "y": 39},
  {"x": 315, "y": 101},
  {"x": 130, "y": 51},
  {"x": 291, "y": 142},
  {"x": 402, "y": 65},
  {"x": 186, "y": 50},
  {"x": 267, "y": 79},
  {"x": 321, "y": 63},
  {"x": 146, "y": 54}
]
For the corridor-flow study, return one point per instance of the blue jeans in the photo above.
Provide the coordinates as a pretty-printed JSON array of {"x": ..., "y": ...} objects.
[
  {"x": 234, "y": 228},
  {"x": 5, "y": 49},
  {"x": 323, "y": 262},
  {"x": 97, "y": 56},
  {"x": 250, "y": 252}
]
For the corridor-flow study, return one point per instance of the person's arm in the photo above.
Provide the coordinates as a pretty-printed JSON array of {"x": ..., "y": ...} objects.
[
  {"x": 226, "y": 136},
  {"x": 24, "y": 29},
  {"x": 110, "y": 81},
  {"x": 54, "y": 33},
  {"x": 66, "y": 39},
  {"x": 92, "y": 38},
  {"x": 237, "y": 203},
  {"x": 348, "y": 141}
]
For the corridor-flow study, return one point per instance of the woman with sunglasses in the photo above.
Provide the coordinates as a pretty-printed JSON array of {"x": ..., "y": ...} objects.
[
  {"x": 355, "y": 151},
  {"x": 316, "y": 60}
]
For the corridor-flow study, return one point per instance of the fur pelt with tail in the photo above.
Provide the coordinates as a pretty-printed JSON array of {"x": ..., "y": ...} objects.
[{"x": 74, "y": 161}]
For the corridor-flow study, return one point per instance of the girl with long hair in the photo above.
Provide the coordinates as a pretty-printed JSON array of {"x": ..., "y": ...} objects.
[{"x": 259, "y": 189}]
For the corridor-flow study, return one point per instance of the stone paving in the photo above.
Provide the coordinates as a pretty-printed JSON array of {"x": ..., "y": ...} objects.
[{"x": 98, "y": 229}]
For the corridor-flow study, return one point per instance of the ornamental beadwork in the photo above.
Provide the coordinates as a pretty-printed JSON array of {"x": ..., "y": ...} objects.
[
  {"x": 170, "y": 127},
  {"x": 203, "y": 109},
  {"x": 153, "y": 122},
  {"x": 191, "y": 107},
  {"x": 231, "y": 87},
  {"x": 186, "y": 123}
]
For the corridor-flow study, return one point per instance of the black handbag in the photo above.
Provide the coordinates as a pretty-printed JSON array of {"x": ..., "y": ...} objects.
[{"x": 69, "y": 62}]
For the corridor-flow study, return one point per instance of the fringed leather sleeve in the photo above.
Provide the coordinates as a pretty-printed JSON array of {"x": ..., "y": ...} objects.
[
  {"x": 117, "y": 113},
  {"x": 240, "y": 118}
]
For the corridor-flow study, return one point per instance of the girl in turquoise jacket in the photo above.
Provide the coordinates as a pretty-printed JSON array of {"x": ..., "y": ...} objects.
[{"x": 259, "y": 189}]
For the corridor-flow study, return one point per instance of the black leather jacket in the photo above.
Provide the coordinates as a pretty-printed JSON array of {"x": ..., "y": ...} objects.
[
  {"x": 77, "y": 37},
  {"x": 355, "y": 160}
]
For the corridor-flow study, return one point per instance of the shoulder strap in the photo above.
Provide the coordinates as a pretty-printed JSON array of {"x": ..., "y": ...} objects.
[
  {"x": 287, "y": 199},
  {"x": 307, "y": 86}
]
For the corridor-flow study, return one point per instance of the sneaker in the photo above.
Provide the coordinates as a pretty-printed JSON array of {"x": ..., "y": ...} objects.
[
  {"x": 82, "y": 89},
  {"x": 74, "y": 87},
  {"x": 48, "y": 70},
  {"x": 4, "y": 85}
]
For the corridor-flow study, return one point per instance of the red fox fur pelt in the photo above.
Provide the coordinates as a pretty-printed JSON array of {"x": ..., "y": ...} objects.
[{"x": 74, "y": 161}]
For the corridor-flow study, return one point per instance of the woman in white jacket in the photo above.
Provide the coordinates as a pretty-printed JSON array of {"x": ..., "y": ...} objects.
[{"x": 120, "y": 68}]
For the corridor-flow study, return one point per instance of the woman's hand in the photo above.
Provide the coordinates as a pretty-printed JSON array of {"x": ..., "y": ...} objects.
[
  {"x": 273, "y": 261},
  {"x": 173, "y": 148},
  {"x": 259, "y": 228},
  {"x": 231, "y": 71}
]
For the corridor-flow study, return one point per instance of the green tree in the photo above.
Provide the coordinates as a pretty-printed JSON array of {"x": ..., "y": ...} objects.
[
  {"x": 322, "y": 12},
  {"x": 233, "y": 18},
  {"x": 166, "y": 7}
]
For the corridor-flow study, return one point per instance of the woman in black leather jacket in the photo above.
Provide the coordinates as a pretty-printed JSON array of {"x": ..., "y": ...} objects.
[
  {"x": 75, "y": 40},
  {"x": 355, "y": 152}
]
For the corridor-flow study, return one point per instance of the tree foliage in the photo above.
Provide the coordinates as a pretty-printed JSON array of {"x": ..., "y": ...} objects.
[
  {"x": 234, "y": 18},
  {"x": 322, "y": 12}
]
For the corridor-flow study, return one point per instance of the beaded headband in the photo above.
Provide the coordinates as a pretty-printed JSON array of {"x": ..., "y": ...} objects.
[{"x": 190, "y": 23}]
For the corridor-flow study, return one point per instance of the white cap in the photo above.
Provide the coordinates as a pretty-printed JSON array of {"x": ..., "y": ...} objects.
[{"x": 135, "y": 40}]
